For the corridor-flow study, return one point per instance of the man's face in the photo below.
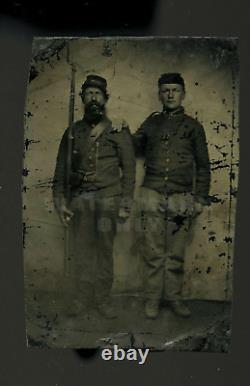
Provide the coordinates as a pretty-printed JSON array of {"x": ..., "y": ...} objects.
[
  {"x": 171, "y": 95},
  {"x": 94, "y": 102},
  {"x": 92, "y": 95}
]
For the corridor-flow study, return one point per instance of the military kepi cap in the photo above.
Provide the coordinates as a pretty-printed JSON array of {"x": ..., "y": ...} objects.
[
  {"x": 171, "y": 78},
  {"x": 95, "y": 81}
]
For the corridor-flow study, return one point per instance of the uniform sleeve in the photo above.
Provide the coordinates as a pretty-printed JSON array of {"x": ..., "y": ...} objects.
[
  {"x": 127, "y": 164},
  {"x": 203, "y": 174},
  {"x": 59, "y": 181},
  {"x": 140, "y": 139}
]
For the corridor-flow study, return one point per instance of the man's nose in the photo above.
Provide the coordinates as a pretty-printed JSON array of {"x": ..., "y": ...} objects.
[
  {"x": 93, "y": 97},
  {"x": 170, "y": 94}
]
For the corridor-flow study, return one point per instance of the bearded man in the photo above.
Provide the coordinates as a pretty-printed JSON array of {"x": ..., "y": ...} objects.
[{"x": 102, "y": 178}]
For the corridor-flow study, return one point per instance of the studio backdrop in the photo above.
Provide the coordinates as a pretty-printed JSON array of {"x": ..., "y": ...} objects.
[{"x": 132, "y": 67}]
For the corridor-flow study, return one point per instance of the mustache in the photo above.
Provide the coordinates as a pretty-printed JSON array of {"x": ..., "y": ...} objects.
[{"x": 93, "y": 104}]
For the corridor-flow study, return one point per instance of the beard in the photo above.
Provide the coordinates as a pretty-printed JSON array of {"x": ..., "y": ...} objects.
[{"x": 94, "y": 112}]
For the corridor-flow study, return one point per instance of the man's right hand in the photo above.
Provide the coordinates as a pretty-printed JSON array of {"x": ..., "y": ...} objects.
[{"x": 65, "y": 215}]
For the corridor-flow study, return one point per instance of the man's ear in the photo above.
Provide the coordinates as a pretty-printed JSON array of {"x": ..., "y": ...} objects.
[{"x": 81, "y": 96}]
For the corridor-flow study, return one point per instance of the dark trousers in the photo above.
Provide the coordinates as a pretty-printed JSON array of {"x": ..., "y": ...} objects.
[
  {"x": 92, "y": 232},
  {"x": 165, "y": 225}
]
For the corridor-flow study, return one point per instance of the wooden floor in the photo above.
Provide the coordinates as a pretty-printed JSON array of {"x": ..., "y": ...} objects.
[{"x": 48, "y": 324}]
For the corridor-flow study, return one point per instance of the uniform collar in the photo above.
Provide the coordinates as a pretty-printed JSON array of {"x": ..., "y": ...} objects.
[{"x": 173, "y": 113}]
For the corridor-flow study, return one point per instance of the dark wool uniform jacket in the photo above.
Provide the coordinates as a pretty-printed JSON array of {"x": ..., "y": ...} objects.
[
  {"x": 105, "y": 165},
  {"x": 176, "y": 155}
]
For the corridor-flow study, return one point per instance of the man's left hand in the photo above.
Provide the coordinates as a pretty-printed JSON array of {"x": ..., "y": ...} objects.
[
  {"x": 123, "y": 215},
  {"x": 119, "y": 124}
]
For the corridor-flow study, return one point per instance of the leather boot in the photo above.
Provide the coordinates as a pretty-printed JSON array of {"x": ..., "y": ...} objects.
[
  {"x": 107, "y": 310},
  {"x": 152, "y": 308},
  {"x": 180, "y": 309}
]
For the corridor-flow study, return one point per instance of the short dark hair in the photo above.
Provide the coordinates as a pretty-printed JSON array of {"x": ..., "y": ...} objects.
[
  {"x": 94, "y": 81},
  {"x": 172, "y": 78}
]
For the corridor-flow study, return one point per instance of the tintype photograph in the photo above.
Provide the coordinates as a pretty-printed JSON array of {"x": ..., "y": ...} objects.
[{"x": 131, "y": 160}]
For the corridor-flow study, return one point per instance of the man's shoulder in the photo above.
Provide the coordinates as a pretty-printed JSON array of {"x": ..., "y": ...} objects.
[
  {"x": 79, "y": 124},
  {"x": 192, "y": 122},
  {"x": 118, "y": 135},
  {"x": 74, "y": 129},
  {"x": 153, "y": 118}
]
